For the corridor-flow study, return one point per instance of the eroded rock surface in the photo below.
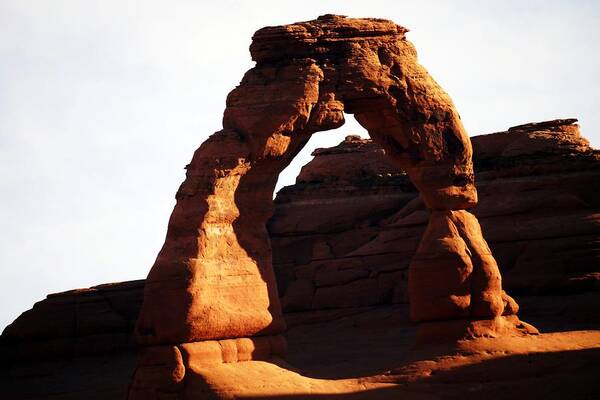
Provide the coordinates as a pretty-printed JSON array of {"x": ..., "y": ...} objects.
[
  {"x": 211, "y": 310},
  {"x": 360, "y": 353},
  {"x": 344, "y": 234},
  {"x": 76, "y": 344},
  {"x": 80, "y": 322},
  {"x": 213, "y": 278}
]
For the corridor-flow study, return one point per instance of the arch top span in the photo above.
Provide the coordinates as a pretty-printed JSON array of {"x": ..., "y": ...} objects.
[
  {"x": 213, "y": 278},
  {"x": 364, "y": 67}
]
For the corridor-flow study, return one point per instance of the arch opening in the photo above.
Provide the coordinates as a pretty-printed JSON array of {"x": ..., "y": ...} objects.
[{"x": 320, "y": 139}]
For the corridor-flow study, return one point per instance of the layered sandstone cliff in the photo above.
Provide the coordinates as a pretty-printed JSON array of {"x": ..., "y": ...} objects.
[{"x": 344, "y": 234}]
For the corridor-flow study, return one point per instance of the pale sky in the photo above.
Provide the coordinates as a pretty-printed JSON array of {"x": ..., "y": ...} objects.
[{"x": 102, "y": 104}]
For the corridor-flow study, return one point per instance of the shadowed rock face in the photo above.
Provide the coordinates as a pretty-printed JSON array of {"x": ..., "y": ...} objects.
[{"x": 213, "y": 278}]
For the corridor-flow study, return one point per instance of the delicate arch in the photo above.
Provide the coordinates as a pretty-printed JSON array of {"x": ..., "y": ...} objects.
[{"x": 213, "y": 278}]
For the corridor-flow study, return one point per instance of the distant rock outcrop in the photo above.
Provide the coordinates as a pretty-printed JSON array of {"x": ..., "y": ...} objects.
[
  {"x": 344, "y": 234},
  {"x": 98, "y": 320}
]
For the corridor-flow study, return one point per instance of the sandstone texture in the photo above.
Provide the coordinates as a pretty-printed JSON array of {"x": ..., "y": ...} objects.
[
  {"x": 77, "y": 344},
  {"x": 358, "y": 353},
  {"x": 391, "y": 222},
  {"x": 82, "y": 322},
  {"x": 213, "y": 278},
  {"x": 345, "y": 233},
  {"x": 546, "y": 201}
]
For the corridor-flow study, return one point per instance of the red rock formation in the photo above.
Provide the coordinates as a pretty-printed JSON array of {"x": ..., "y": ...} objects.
[
  {"x": 453, "y": 272},
  {"x": 211, "y": 297},
  {"x": 338, "y": 205},
  {"x": 539, "y": 208},
  {"x": 80, "y": 322},
  {"x": 213, "y": 278},
  {"x": 211, "y": 308}
]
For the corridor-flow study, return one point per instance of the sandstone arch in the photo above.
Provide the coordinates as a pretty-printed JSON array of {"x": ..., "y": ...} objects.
[{"x": 213, "y": 278}]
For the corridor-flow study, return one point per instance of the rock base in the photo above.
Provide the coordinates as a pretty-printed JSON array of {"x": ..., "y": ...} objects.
[
  {"x": 482, "y": 368},
  {"x": 443, "y": 332},
  {"x": 161, "y": 370}
]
